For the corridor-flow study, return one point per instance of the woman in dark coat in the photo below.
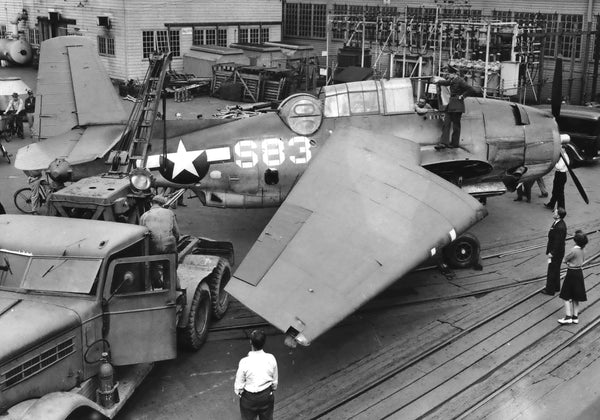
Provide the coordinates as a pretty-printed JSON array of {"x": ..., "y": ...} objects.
[{"x": 573, "y": 288}]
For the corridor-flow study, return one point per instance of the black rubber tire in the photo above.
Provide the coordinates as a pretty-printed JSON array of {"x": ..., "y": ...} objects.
[
  {"x": 217, "y": 280},
  {"x": 463, "y": 252},
  {"x": 22, "y": 199},
  {"x": 194, "y": 334},
  {"x": 86, "y": 413}
]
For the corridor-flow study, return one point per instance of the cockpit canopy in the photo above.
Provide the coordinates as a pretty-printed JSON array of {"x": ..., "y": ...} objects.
[
  {"x": 303, "y": 113},
  {"x": 385, "y": 97}
]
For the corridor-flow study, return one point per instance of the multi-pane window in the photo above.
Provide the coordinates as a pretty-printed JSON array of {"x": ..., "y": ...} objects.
[
  {"x": 562, "y": 32},
  {"x": 253, "y": 35},
  {"x": 209, "y": 36},
  {"x": 338, "y": 27},
  {"x": 526, "y": 18},
  {"x": 550, "y": 25},
  {"x": 222, "y": 37},
  {"x": 33, "y": 36},
  {"x": 106, "y": 46},
  {"x": 305, "y": 20},
  {"x": 264, "y": 34},
  {"x": 461, "y": 14},
  {"x": 356, "y": 9},
  {"x": 319, "y": 20},
  {"x": 423, "y": 14},
  {"x": 160, "y": 41},
  {"x": 290, "y": 19},
  {"x": 571, "y": 43},
  {"x": 389, "y": 11},
  {"x": 243, "y": 35}
]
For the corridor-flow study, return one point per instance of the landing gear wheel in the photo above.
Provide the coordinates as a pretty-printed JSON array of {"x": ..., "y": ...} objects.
[
  {"x": 463, "y": 252},
  {"x": 194, "y": 334},
  {"x": 217, "y": 280}
]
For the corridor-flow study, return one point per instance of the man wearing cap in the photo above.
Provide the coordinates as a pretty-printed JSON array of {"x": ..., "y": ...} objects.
[
  {"x": 459, "y": 89},
  {"x": 162, "y": 224},
  {"x": 164, "y": 234},
  {"x": 30, "y": 109},
  {"x": 16, "y": 107}
]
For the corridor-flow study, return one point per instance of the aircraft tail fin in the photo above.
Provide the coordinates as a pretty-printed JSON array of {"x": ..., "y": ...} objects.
[{"x": 73, "y": 88}]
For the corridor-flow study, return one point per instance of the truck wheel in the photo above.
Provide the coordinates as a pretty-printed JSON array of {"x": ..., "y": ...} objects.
[
  {"x": 462, "y": 252},
  {"x": 86, "y": 413},
  {"x": 193, "y": 335},
  {"x": 217, "y": 280}
]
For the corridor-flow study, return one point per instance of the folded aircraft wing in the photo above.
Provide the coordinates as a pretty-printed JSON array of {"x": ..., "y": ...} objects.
[
  {"x": 79, "y": 145},
  {"x": 363, "y": 215},
  {"x": 73, "y": 88}
]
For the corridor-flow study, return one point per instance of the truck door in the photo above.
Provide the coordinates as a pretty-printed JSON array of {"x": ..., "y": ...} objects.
[{"x": 139, "y": 309}]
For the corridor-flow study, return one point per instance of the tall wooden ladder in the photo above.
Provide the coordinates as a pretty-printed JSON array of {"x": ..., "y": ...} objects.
[{"x": 132, "y": 149}]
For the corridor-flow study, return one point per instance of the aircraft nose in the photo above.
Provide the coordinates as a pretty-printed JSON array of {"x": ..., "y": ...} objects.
[{"x": 564, "y": 138}]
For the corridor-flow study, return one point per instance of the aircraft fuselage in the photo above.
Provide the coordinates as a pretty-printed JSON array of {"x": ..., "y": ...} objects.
[{"x": 255, "y": 162}]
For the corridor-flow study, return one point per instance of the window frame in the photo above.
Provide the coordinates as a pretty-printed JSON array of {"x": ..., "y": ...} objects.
[
  {"x": 171, "y": 38},
  {"x": 305, "y": 20},
  {"x": 107, "y": 44}
]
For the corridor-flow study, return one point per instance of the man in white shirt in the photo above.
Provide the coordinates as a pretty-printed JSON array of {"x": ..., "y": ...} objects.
[
  {"x": 256, "y": 379},
  {"x": 558, "y": 185},
  {"x": 16, "y": 107}
]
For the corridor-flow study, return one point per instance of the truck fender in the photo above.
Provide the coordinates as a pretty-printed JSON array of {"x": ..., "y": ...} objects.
[
  {"x": 53, "y": 406},
  {"x": 575, "y": 155}
]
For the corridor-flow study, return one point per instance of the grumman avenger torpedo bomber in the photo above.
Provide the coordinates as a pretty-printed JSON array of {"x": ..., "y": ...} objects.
[{"x": 364, "y": 197}]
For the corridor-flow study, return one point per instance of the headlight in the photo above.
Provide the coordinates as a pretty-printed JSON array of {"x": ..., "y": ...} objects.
[{"x": 140, "y": 179}]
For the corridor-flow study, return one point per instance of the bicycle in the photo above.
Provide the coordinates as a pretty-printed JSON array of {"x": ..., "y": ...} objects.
[
  {"x": 12, "y": 125},
  {"x": 22, "y": 197},
  {"x": 4, "y": 135}
]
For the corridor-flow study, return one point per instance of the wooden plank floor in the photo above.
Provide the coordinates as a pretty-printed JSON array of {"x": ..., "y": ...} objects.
[{"x": 473, "y": 364}]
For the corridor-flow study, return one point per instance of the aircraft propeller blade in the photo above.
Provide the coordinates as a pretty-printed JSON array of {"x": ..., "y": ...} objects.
[
  {"x": 557, "y": 88},
  {"x": 576, "y": 181}
]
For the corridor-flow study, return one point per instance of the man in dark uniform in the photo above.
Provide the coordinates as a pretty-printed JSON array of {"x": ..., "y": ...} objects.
[
  {"x": 459, "y": 90},
  {"x": 30, "y": 109},
  {"x": 555, "y": 251}
]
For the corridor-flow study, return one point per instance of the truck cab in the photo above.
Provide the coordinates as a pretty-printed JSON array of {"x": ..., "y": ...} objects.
[{"x": 73, "y": 289}]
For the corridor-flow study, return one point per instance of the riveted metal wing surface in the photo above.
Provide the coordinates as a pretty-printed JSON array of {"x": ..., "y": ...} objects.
[{"x": 363, "y": 214}]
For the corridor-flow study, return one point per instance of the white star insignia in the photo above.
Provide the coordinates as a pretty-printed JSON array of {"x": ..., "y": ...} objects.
[{"x": 184, "y": 160}]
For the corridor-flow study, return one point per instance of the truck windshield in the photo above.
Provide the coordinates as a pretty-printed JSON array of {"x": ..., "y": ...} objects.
[{"x": 56, "y": 274}]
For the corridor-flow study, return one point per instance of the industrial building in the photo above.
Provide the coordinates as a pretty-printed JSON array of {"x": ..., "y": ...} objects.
[
  {"x": 127, "y": 32},
  {"x": 508, "y": 49}
]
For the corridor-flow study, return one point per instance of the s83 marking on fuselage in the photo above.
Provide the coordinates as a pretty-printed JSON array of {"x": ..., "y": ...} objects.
[{"x": 272, "y": 151}]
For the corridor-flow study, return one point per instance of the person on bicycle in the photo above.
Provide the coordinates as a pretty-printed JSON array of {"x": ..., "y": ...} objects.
[
  {"x": 16, "y": 107},
  {"x": 35, "y": 180}
]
